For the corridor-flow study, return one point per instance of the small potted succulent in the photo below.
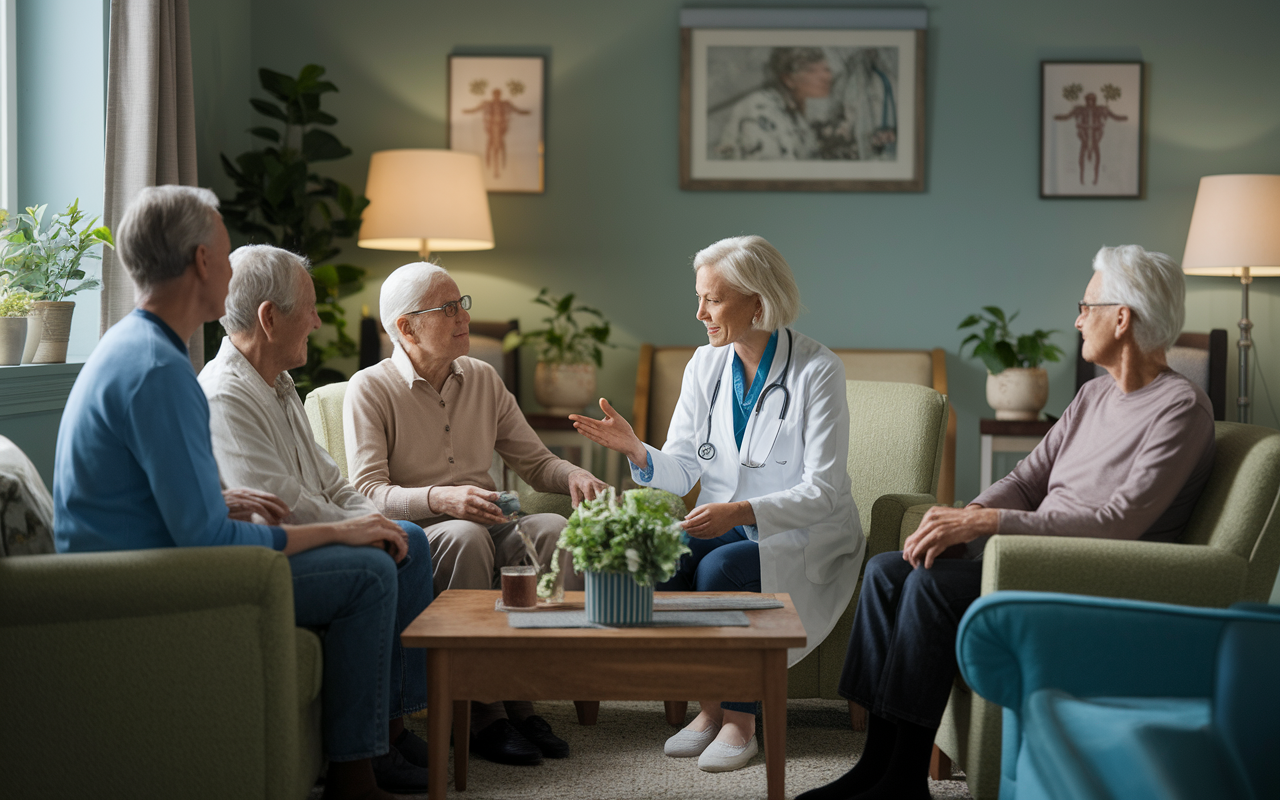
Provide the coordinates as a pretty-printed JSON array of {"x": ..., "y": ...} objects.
[
  {"x": 15, "y": 307},
  {"x": 625, "y": 546},
  {"x": 1017, "y": 386},
  {"x": 568, "y": 354},
  {"x": 45, "y": 261}
]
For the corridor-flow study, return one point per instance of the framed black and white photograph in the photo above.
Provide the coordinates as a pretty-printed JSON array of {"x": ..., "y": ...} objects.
[
  {"x": 496, "y": 106},
  {"x": 802, "y": 100},
  {"x": 1091, "y": 129}
]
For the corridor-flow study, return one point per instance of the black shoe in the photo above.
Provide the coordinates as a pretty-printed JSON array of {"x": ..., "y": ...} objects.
[
  {"x": 502, "y": 744},
  {"x": 538, "y": 732},
  {"x": 412, "y": 747},
  {"x": 396, "y": 775}
]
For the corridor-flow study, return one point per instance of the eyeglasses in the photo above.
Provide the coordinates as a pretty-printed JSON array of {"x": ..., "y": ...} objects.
[
  {"x": 450, "y": 309},
  {"x": 1082, "y": 305}
]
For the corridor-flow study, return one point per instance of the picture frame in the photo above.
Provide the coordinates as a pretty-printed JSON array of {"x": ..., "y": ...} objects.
[
  {"x": 497, "y": 110},
  {"x": 802, "y": 99},
  {"x": 1090, "y": 149}
]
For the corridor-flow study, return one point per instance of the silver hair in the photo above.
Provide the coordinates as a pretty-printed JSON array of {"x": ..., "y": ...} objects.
[
  {"x": 260, "y": 273},
  {"x": 157, "y": 238},
  {"x": 1152, "y": 286},
  {"x": 403, "y": 290},
  {"x": 754, "y": 267}
]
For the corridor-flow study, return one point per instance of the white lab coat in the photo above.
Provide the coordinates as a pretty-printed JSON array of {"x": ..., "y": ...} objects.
[{"x": 811, "y": 541}]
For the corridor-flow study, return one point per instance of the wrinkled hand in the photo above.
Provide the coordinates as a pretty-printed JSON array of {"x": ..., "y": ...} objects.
[
  {"x": 944, "y": 527},
  {"x": 243, "y": 504},
  {"x": 374, "y": 530},
  {"x": 717, "y": 519},
  {"x": 467, "y": 502},
  {"x": 584, "y": 486},
  {"x": 614, "y": 432}
]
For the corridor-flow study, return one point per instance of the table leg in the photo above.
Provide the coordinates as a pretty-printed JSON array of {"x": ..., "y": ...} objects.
[
  {"x": 461, "y": 742},
  {"x": 588, "y": 711},
  {"x": 775, "y": 723},
  {"x": 440, "y": 709},
  {"x": 677, "y": 710},
  {"x": 984, "y": 474}
]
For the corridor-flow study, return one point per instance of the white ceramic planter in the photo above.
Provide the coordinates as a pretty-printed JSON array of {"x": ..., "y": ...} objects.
[
  {"x": 13, "y": 337},
  {"x": 564, "y": 388},
  {"x": 57, "y": 330},
  {"x": 35, "y": 329},
  {"x": 1018, "y": 393}
]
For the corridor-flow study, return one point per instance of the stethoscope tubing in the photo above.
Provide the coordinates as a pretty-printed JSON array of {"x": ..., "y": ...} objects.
[{"x": 707, "y": 450}]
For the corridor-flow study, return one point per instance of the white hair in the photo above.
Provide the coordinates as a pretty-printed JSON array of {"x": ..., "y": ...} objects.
[
  {"x": 260, "y": 273},
  {"x": 754, "y": 267},
  {"x": 403, "y": 290},
  {"x": 157, "y": 237},
  {"x": 1152, "y": 286}
]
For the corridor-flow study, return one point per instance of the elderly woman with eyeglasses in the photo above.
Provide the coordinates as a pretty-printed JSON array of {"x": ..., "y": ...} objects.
[{"x": 421, "y": 428}]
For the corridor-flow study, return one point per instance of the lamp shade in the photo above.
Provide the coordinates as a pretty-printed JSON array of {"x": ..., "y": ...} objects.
[
  {"x": 426, "y": 200},
  {"x": 1235, "y": 224}
]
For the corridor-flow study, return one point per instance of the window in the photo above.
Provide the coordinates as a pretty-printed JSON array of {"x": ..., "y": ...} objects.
[{"x": 8, "y": 106}]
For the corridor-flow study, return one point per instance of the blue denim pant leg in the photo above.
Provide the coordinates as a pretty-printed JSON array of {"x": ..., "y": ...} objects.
[
  {"x": 349, "y": 593},
  {"x": 414, "y": 593},
  {"x": 902, "y": 649},
  {"x": 728, "y": 563}
]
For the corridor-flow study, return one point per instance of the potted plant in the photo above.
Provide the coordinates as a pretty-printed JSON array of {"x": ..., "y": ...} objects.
[
  {"x": 624, "y": 545},
  {"x": 15, "y": 308},
  {"x": 280, "y": 200},
  {"x": 568, "y": 354},
  {"x": 45, "y": 261},
  {"x": 1017, "y": 386}
]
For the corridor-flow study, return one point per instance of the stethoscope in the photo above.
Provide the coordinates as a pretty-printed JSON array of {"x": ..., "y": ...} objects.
[{"x": 707, "y": 450}]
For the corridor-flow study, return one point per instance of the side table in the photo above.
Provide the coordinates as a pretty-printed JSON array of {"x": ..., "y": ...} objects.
[
  {"x": 1008, "y": 436},
  {"x": 557, "y": 431}
]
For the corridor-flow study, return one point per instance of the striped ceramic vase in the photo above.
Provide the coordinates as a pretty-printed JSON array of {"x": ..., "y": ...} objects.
[{"x": 614, "y": 598}]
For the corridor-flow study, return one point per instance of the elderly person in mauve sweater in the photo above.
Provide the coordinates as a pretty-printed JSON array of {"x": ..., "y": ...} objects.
[
  {"x": 1127, "y": 460},
  {"x": 421, "y": 428}
]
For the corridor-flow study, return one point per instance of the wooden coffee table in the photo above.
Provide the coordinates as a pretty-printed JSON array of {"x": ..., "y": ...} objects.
[{"x": 473, "y": 654}]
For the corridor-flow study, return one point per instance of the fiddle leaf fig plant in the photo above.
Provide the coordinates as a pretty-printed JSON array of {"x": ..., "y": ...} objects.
[
  {"x": 999, "y": 349},
  {"x": 45, "y": 260},
  {"x": 564, "y": 340}
]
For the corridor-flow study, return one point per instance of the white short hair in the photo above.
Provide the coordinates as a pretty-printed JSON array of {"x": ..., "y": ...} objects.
[
  {"x": 157, "y": 237},
  {"x": 260, "y": 273},
  {"x": 754, "y": 267},
  {"x": 403, "y": 290},
  {"x": 1152, "y": 286}
]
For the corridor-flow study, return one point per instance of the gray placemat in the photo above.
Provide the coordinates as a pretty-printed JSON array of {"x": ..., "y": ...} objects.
[
  {"x": 661, "y": 619},
  {"x": 687, "y": 603}
]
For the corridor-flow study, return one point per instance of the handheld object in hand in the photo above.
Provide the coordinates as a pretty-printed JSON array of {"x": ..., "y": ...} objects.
[{"x": 509, "y": 503}]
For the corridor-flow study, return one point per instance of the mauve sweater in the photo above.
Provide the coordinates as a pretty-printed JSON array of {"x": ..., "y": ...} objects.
[{"x": 1116, "y": 466}]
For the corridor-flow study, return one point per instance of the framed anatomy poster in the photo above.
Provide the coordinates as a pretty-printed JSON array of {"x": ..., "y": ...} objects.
[
  {"x": 496, "y": 110},
  {"x": 1091, "y": 129}
]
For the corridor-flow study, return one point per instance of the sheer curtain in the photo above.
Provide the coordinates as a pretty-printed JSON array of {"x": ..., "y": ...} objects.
[{"x": 151, "y": 130}]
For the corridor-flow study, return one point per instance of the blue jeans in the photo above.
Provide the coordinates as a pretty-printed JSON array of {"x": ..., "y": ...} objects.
[
  {"x": 727, "y": 563},
  {"x": 361, "y": 600},
  {"x": 902, "y": 649}
]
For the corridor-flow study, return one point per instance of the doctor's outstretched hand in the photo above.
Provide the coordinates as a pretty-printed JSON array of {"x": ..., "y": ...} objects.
[{"x": 613, "y": 432}]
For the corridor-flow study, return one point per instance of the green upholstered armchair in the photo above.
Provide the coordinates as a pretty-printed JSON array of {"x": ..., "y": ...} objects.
[
  {"x": 175, "y": 673},
  {"x": 1230, "y": 553}
]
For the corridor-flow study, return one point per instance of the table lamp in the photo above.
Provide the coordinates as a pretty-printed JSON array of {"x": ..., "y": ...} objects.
[
  {"x": 1235, "y": 231},
  {"x": 426, "y": 200}
]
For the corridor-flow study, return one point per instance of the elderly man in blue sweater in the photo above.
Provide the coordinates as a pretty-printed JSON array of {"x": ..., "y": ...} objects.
[{"x": 135, "y": 469}]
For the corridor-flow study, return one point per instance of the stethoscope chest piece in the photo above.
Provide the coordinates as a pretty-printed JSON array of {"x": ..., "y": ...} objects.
[{"x": 706, "y": 451}]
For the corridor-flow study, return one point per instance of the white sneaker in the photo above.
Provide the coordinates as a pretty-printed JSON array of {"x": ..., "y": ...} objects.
[
  {"x": 721, "y": 757},
  {"x": 690, "y": 743}
]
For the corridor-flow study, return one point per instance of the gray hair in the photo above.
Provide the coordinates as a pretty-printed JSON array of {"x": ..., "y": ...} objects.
[
  {"x": 157, "y": 238},
  {"x": 403, "y": 290},
  {"x": 260, "y": 273},
  {"x": 754, "y": 267},
  {"x": 1152, "y": 286}
]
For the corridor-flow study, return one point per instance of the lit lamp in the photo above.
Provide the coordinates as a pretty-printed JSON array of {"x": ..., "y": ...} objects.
[
  {"x": 426, "y": 200},
  {"x": 1235, "y": 231}
]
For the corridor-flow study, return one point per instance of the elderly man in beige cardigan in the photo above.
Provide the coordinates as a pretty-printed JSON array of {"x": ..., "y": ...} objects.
[{"x": 420, "y": 429}]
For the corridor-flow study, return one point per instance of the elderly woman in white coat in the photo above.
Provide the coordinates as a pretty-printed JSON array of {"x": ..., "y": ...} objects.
[{"x": 763, "y": 422}]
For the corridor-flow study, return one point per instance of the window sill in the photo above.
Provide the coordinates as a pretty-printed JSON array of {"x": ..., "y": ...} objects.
[{"x": 36, "y": 388}]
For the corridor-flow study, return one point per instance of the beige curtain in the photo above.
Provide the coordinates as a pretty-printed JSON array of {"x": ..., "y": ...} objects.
[{"x": 151, "y": 128}]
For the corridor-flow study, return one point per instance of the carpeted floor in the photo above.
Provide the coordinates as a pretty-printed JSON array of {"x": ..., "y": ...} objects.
[{"x": 621, "y": 758}]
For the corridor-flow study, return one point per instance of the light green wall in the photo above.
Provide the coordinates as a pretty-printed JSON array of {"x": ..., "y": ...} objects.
[{"x": 876, "y": 270}]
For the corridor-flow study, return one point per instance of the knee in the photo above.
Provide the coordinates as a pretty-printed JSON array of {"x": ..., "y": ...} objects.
[
  {"x": 419, "y": 547},
  {"x": 375, "y": 569},
  {"x": 887, "y": 567},
  {"x": 540, "y": 527}
]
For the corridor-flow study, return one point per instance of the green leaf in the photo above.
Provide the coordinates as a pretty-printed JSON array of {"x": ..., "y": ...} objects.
[
  {"x": 969, "y": 321},
  {"x": 278, "y": 85},
  {"x": 319, "y": 145},
  {"x": 269, "y": 109},
  {"x": 995, "y": 311},
  {"x": 1005, "y": 352},
  {"x": 263, "y": 132}
]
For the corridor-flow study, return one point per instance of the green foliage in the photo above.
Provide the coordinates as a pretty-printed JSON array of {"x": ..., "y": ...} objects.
[
  {"x": 564, "y": 341},
  {"x": 14, "y": 301},
  {"x": 637, "y": 534},
  {"x": 998, "y": 348},
  {"x": 280, "y": 201},
  {"x": 45, "y": 259}
]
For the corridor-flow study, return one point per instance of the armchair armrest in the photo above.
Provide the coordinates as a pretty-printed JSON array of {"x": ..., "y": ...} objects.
[
  {"x": 888, "y": 514},
  {"x": 1195, "y": 575},
  {"x": 532, "y": 502},
  {"x": 1012, "y": 644}
]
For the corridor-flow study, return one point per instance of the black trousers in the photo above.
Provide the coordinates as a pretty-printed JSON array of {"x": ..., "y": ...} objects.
[{"x": 902, "y": 649}]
